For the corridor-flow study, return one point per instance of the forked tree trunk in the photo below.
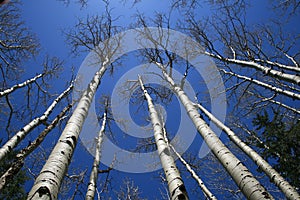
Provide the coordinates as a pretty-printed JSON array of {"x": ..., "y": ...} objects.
[
  {"x": 20, "y": 135},
  {"x": 20, "y": 157},
  {"x": 47, "y": 184},
  {"x": 274, "y": 176},
  {"x": 176, "y": 187},
  {"x": 247, "y": 183},
  {"x": 94, "y": 174}
]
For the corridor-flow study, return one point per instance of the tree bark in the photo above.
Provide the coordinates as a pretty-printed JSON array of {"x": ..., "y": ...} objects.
[
  {"x": 20, "y": 135},
  {"x": 266, "y": 70},
  {"x": 274, "y": 176},
  {"x": 48, "y": 182},
  {"x": 265, "y": 85},
  {"x": 20, "y": 157},
  {"x": 176, "y": 187},
  {"x": 20, "y": 85},
  {"x": 201, "y": 184},
  {"x": 249, "y": 186},
  {"x": 94, "y": 174}
]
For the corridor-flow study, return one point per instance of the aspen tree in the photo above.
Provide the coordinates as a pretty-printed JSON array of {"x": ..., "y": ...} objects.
[
  {"x": 274, "y": 176},
  {"x": 176, "y": 187},
  {"x": 48, "y": 182},
  {"x": 20, "y": 135},
  {"x": 20, "y": 157},
  {"x": 249, "y": 186},
  {"x": 201, "y": 184},
  {"x": 94, "y": 173}
]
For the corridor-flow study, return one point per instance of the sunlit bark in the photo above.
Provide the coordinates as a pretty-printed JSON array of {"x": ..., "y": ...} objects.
[
  {"x": 250, "y": 187},
  {"x": 274, "y": 176},
  {"x": 293, "y": 78},
  {"x": 20, "y": 157},
  {"x": 176, "y": 187},
  {"x": 264, "y": 85},
  {"x": 201, "y": 184},
  {"x": 94, "y": 174},
  {"x": 48, "y": 182},
  {"x": 19, "y": 136},
  {"x": 20, "y": 85}
]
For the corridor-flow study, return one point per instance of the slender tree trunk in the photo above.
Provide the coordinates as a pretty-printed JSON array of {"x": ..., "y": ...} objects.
[
  {"x": 249, "y": 186},
  {"x": 20, "y": 85},
  {"x": 94, "y": 174},
  {"x": 274, "y": 176},
  {"x": 266, "y": 70},
  {"x": 19, "y": 136},
  {"x": 265, "y": 85},
  {"x": 20, "y": 157},
  {"x": 176, "y": 187},
  {"x": 201, "y": 184},
  {"x": 48, "y": 182}
]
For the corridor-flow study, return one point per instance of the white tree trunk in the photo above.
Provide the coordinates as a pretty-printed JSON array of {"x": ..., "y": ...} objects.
[
  {"x": 20, "y": 85},
  {"x": 48, "y": 182},
  {"x": 249, "y": 186},
  {"x": 265, "y": 85},
  {"x": 176, "y": 187},
  {"x": 274, "y": 176},
  {"x": 266, "y": 70},
  {"x": 201, "y": 184},
  {"x": 20, "y": 135},
  {"x": 20, "y": 157},
  {"x": 94, "y": 173}
]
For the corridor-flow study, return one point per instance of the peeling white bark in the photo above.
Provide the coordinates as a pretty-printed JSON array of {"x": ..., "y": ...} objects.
[
  {"x": 94, "y": 173},
  {"x": 249, "y": 186},
  {"x": 266, "y": 70},
  {"x": 48, "y": 182},
  {"x": 265, "y": 85},
  {"x": 274, "y": 176},
  {"x": 176, "y": 187},
  {"x": 20, "y": 85},
  {"x": 20, "y": 135}
]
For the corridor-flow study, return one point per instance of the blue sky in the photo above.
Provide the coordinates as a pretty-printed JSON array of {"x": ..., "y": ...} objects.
[{"x": 49, "y": 18}]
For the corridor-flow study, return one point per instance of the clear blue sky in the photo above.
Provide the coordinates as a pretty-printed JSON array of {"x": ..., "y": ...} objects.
[{"x": 48, "y": 18}]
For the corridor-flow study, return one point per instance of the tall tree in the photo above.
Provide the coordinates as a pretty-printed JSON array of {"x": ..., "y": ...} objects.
[
  {"x": 250, "y": 187},
  {"x": 20, "y": 135},
  {"x": 20, "y": 157},
  {"x": 274, "y": 176},
  {"x": 177, "y": 189},
  {"x": 263, "y": 54},
  {"x": 48, "y": 182},
  {"x": 92, "y": 185}
]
